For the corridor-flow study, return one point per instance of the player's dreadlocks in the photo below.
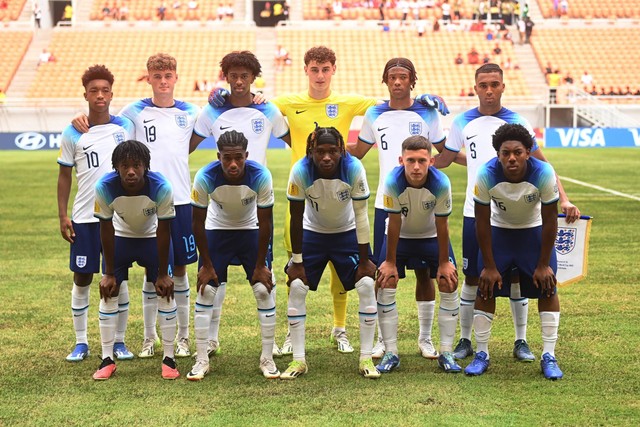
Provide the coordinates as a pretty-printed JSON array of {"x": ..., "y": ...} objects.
[
  {"x": 232, "y": 138},
  {"x": 325, "y": 135},
  {"x": 97, "y": 72},
  {"x": 403, "y": 63},
  {"x": 132, "y": 150}
]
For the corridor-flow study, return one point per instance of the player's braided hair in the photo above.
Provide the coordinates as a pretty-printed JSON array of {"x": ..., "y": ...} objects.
[
  {"x": 489, "y": 68},
  {"x": 403, "y": 63},
  {"x": 325, "y": 133},
  {"x": 244, "y": 59},
  {"x": 132, "y": 150},
  {"x": 512, "y": 132},
  {"x": 232, "y": 138},
  {"x": 97, "y": 72}
]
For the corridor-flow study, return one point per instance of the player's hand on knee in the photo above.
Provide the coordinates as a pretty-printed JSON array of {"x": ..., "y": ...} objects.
[
  {"x": 387, "y": 275},
  {"x": 206, "y": 275},
  {"x": 295, "y": 271},
  {"x": 108, "y": 286},
  {"x": 545, "y": 280},
  {"x": 447, "y": 276},
  {"x": 433, "y": 101},
  {"x": 365, "y": 268},
  {"x": 217, "y": 97},
  {"x": 164, "y": 287},
  {"x": 571, "y": 211},
  {"x": 488, "y": 279},
  {"x": 263, "y": 275}
]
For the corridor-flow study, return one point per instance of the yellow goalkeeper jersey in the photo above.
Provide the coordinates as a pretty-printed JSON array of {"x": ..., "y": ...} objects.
[{"x": 302, "y": 112}]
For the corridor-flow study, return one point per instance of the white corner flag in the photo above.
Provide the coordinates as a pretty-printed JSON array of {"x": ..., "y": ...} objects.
[{"x": 572, "y": 249}]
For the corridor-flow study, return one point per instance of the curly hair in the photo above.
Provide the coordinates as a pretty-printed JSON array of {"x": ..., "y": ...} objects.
[
  {"x": 131, "y": 150},
  {"x": 512, "y": 132},
  {"x": 97, "y": 72},
  {"x": 162, "y": 62},
  {"x": 325, "y": 135},
  {"x": 320, "y": 54},
  {"x": 242, "y": 58},
  {"x": 402, "y": 63}
]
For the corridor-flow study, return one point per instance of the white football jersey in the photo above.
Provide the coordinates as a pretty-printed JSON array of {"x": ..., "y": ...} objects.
[
  {"x": 90, "y": 153},
  {"x": 167, "y": 133}
]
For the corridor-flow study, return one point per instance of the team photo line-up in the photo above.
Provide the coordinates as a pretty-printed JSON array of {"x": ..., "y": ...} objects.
[{"x": 136, "y": 202}]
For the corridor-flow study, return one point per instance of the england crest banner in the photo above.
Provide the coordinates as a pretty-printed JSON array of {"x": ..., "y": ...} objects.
[{"x": 572, "y": 249}]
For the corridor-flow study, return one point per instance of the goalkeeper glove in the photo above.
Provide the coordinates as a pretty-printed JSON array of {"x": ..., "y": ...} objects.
[
  {"x": 217, "y": 97},
  {"x": 433, "y": 101}
]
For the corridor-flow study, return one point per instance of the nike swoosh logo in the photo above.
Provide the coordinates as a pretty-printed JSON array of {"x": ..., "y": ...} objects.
[
  {"x": 78, "y": 315},
  {"x": 102, "y": 319},
  {"x": 148, "y": 120},
  {"x": 293, "y": 324},
  {"x": 224, "y": 127},
  {"x": 369, "y": 321},
  {"x": 381, "y": 129},
  {"x": 152, "y": 297},
  {"x": 454, "y": 315},
  {"x": 171, "y": 318},
  {"x": 190, "y": 256},
  {"x": 472, "y": 136},
  {"x": 387, "y": 311},
  {"x": 199, "y": 311},
  {"x": 270, "y": 315},
  {"x": 87, "y": 147},
  {"x": 300, "y": 111}
]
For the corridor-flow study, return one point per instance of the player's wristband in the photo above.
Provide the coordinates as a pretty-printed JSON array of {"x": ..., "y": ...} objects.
[{"x": 296, "y": 258}]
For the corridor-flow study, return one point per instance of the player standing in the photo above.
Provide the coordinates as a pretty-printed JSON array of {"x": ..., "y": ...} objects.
[
  {"x": 89, "y": 153},
  {"x": 142, "y": 202},
  {"x": 417, "y": 198},
  {"x": 516, "y": 200},
  {"x": 257, "y": 122},
  {"x": 237, "y": 224},
  {"x": 472, "y": 130},
  {"x": 328, "y": 194}
]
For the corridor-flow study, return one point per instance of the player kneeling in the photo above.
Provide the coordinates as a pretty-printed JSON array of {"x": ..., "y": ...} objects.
[
  {"x": 234, "y": 224},
  {"x": 516, "y": 198},
  {"x": 328, "y": 195}
]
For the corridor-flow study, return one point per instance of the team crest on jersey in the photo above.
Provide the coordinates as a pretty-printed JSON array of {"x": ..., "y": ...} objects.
[
  {"x": 343, "y": 195},
  {"x": 415, "y": 128},
  {"x": 118, "y": 137},
  {"x": 331, "y": 110},
  {"x": 149, "y": 211},
  {"x": 181, "y": 120},
  {"x": 565, "y": 240},
  {"x": 81, "y": 261},
  {"x": 248, "y": 200},
  {"x": 257, "y": 125},
  {"x": 531, "y": 198},
  {"x": 428, "y": 205}
]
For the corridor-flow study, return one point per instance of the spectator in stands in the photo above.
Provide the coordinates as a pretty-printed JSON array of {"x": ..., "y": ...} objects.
[
  {"x": 403, "y": 5},
  {"x": 177, "y": 5},
  {"x": 548, "y": 69},
  {"x": 436, "y": 25},
  {"x": 497, "y": 50},
  {"x": 556, "y": 9},
  {"x": 568, "y": 78},
  {"x": 471, "y": 92},
  {"x": 473, "y": 57},
  {"x": 37, "y": 13},
  {"x": 506, "y": 65},
  {"x": 627, "y": 91},
  {"x": 612, "y": 91},
  {"x": 200, "y": 86},
  {"x": 586, "y": 79},
  {"x": 4, "y": 5},
  {"x": 162, "y": 10},
  {"x": 229, "y": 13},
  {"x": 593, "y": 90},
  {"x": 415, "y": 9},
  {"x": 192, "y": 5},
  {"x": 336, "y": 8},
  {"x": 564, "y": 7},
  {"x": 45, "y": 56},
  {"x": 106, "y": 10},
  {"x": 420, "y": 28},
  {"x": 124, "y": 12},
  {"x": 553, "y": 79},
  {"x": 528, "y": 24},
  {"x": 637, "y": 92},
  {"x": 381, "y": 9},
  {"x": 285, "y": 11},
  {"x": 220, "y": 11},
  {"x": 459, "y": 60},
  {"x": 456, "y": 9},
  {"x": 521, "y": 30},
  {"x": 446, "y": 11},
  {"x": 486, "y": 58},
  {"x": 603, "y": 91},
  {"x": 67, "y": 15},
  {"x": 463, "y": 92},
  {"x": 281, "y": 58},
  {"x": 489, "y": 35},
  {"x": 525, "y": 11}
]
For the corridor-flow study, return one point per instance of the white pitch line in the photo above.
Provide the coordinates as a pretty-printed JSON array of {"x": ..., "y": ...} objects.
[{"x": 597, "y": 187}]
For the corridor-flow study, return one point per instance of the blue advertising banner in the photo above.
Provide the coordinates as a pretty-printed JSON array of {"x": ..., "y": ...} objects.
[
  {"x": 31, "y": 141},
  {"x": 591, "y": 137}
]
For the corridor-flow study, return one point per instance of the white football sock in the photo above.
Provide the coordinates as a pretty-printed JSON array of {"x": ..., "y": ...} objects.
[
  {"x": 447, "y": 319},
  {"x": 482, "y": 325},
  {"x": 519, "y": 311},
  {"x": 80, "y": 310},
  {"x": 149, "y": 309},
  {"x": 549, "y": 321},
  {"x": 123, "y": 311},
  {"x": 217, "y": 312},
  {"x": 297, "y": 316},
  {"x": 108, "y": 317},
  {"x": 167, "y": 317},
  {"x": 388, "y": 319},
  {"x": 202, "y": 320},
  {"x": 367, "y": 315},
  {"x": 426, "y": 312},
  {"x": 267, "y": 318},
  {"x": 181, "y": 294},
  {"x": 467, "y": 300}
]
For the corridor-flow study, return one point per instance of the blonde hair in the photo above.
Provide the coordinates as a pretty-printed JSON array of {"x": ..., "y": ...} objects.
[{"x": 162, "y": 61}]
